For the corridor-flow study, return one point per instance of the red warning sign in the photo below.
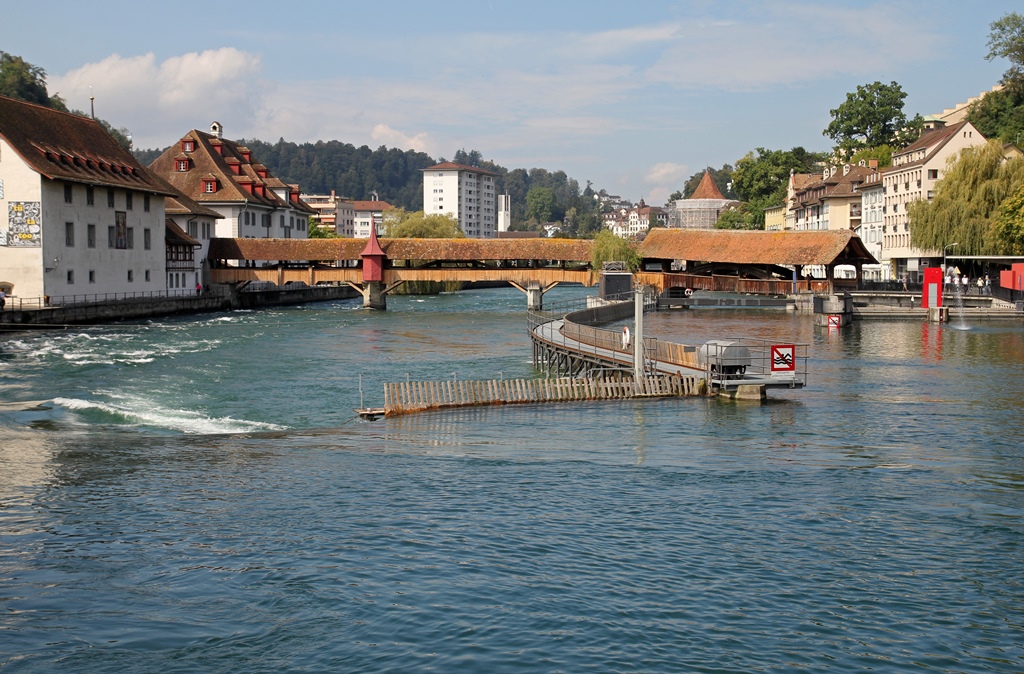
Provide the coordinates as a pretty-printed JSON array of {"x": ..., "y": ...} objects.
[{"x": 783, "y": 358}]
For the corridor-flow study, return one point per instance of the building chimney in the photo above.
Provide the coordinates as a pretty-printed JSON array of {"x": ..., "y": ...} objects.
[{"x": 217, "y": 129}]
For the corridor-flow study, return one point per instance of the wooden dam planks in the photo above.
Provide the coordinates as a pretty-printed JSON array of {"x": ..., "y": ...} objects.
[{"x": 411, "y": 397}]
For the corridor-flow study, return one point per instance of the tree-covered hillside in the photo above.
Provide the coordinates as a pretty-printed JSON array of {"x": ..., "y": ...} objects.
[{"x": 396, "y": 177}]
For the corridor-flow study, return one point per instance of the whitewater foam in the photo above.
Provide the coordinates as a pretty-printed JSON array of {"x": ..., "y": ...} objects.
[{"x": 140, "y": 412}]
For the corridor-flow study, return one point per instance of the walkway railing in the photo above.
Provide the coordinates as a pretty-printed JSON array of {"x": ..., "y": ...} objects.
[
  {"x": 17, "y": 303},
  {"x": 725, "y": 363}
]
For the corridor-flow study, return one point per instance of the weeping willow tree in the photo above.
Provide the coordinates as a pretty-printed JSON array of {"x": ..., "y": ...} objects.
[
  {"x": 610, "y": 248},
  {"x": 1009, "y": 224},
  {"x": 967, "y": 201}
]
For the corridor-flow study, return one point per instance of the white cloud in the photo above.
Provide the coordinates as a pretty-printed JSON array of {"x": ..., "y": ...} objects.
[
  {"x": 666, "y": 173},
  {"x": 382, "y": 133},
  {"x": 160, "y": 101}
]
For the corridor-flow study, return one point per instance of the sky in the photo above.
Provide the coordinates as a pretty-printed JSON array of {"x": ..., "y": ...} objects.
[{"x": 634, "y": 97}]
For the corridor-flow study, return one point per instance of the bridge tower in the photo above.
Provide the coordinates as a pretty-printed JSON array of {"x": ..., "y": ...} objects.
[{"x": 374, "y": 294}]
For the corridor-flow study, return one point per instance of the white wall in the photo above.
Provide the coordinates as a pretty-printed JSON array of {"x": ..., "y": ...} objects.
[
  {"x": 20, "y": 267},
  {"x": 101, "y": 269}
]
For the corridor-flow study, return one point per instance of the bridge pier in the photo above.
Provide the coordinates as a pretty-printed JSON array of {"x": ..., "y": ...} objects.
[
  {"x": 374, "y": 296},
  {"x": 534, "y": 297}
]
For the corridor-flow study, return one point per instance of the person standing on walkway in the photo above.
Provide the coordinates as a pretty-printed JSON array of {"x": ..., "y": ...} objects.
[
  {"x": 3, "y": 299},
  {"x": 967, "y": 284},
  {"x": 904, "y": 279}
]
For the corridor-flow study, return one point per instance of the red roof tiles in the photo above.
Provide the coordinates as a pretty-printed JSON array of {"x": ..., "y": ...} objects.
[{"x": 707, "y": 189}]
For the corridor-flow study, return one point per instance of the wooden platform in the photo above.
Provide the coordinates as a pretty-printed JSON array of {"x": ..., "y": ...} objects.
[{"x": 411, "y": 397}]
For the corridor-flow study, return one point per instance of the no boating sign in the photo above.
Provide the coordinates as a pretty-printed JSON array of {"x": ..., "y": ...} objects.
[{"x": 783, "y": 360}]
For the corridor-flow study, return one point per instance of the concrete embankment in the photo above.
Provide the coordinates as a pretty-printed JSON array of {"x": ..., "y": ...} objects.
[
  {"x": 882, "y": 306},
  {"x": 222, "y": 298}
]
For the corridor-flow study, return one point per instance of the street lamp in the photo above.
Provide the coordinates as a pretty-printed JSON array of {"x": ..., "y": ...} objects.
[{"x": 944, "y": 257}]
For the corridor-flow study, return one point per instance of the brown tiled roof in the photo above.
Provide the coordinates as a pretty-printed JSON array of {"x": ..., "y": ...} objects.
[
  {"x": 207, "y": 161},
  {"x": 835, "y": 186},
  {"x": 370, "y": 205},
  {"x": 456, "y": 250},
  {"x": 745, "y": 247},
  {"x": 65, "y": 146},
  {"x": 452, "y": 166},
  {"x": 176, "y": 235},
  {"x": 931, "y": 141},
  {"x": 182, "y": 205},
  {"x": 707, "y": 189}
]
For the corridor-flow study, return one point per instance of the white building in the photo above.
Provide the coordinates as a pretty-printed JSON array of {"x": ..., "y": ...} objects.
[
  {"x": 504, "y": 212},
  {"x": 78, "y": 214},
  {"x": 190, "y": 226},
  {"x": 367, "y": 213},
  {"x": 871, "y": 230},
  {"x": 912, "y": 176},
  {"x": 223, "y": 176},
  {"x": 464, "y": 192}
]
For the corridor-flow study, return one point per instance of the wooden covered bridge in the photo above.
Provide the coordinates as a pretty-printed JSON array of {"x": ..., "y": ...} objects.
[
  {"x": 722, "y": 260},
  {"x": 764, "y": 263},
  {"x": 375, "y": 266}
]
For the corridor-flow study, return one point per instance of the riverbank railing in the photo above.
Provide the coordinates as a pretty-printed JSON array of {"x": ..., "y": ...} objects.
[{"x": 16, "y": 303}]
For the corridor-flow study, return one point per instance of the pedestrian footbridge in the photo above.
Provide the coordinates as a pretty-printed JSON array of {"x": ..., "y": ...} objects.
[{"x": 569, "y": 341}]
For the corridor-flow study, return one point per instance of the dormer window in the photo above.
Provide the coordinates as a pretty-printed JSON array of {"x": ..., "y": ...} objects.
[
  {"x": 209, "y": 186},
  {"x": 188, "y": 145},
  {"x": 182, "y": 165}
]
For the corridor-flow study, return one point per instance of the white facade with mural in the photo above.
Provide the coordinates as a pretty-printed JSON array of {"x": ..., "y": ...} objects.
[{"x": 78, "y": 215}]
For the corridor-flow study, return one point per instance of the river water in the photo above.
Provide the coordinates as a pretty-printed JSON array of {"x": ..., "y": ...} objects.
[{"x": 195, "y": 494}]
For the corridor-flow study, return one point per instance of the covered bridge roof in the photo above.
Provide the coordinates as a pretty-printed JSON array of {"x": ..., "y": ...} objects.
[
  {"x": 755, "y": 247},
  {"x": 456, "y": 250}
]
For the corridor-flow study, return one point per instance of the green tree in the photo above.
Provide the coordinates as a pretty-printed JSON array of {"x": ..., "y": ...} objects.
[
  {"x": 1000, "y": 114},
  {"x": 1006, "y": 40},
  {"x": 402, "y": 224},
  {"x": 761, "y": 180},
  {"x": 610, "y": 248},
  {"x": 540, "y": 204},
  {"x": 26, "y": 82},
  {"x": 1009, "y": 224},
  {"x": 967, "y": 201},
  {"x": 740, "y": 217},
  {"x": 318, "y": 230},
  {"x": 883, "y": 153},
  {"x": 872, "y": 116}
]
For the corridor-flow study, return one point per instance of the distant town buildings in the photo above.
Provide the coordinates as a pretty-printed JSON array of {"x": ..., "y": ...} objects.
[
  {"x": 464, "y": 192},
  {"x": 702, "y": 209},
  {"x": 333, "y": 212},
  {"x": 873, "y": 202},
  {"x": 634, "y": 222},
  {"x": 78, "y": 214}
]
